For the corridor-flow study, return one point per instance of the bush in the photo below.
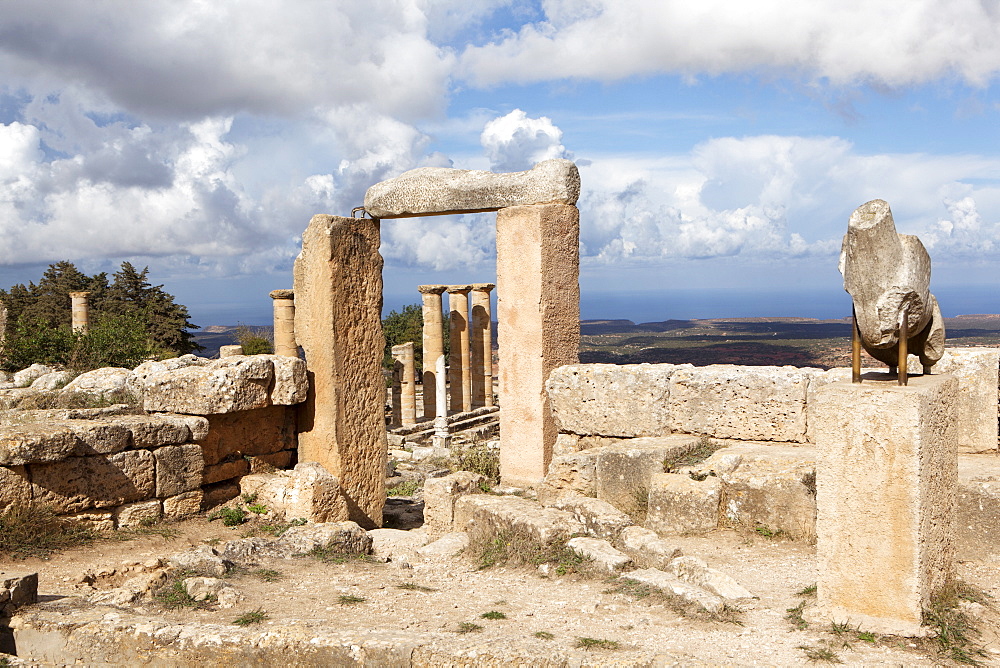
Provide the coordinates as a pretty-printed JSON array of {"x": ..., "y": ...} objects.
[
  {"x": 33, "y": 341},
  {"x": 32, "y": 530},
  {"x": 255, "y": 340}
]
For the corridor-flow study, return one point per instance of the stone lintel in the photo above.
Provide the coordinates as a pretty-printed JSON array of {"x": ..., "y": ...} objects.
[
  {"x": 282, "y": 294},
  {"x": 431, "y": 289}
]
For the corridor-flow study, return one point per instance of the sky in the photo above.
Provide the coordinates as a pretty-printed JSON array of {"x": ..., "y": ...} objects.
[{"x": 722, "y": 145}]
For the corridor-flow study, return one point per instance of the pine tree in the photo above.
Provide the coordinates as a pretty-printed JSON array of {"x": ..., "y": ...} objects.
[{"x": 167, "y": 321}]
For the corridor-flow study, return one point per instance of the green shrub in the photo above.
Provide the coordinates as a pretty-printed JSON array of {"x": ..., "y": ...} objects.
[{"x": 255, "y": 340}]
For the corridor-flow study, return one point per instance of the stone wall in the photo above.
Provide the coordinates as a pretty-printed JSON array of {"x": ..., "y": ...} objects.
[{"x": 203, "y": 424}]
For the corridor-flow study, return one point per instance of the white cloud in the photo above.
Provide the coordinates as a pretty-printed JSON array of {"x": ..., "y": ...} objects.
[
  {"x": 897, "y": 42},
  {"x": 515, "y": 142}
]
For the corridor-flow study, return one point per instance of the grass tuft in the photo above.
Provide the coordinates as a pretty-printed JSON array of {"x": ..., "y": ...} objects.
[
  {"x": 795, "y": 616},
  {"x": 518, "y": 547},
  {"x": 479, "y": 459},
  {"x": 957, "y": 634},
  {"x": 469, "y": 627},
  {"x": 331, "y": 555},
  {"x": 597, "y": 643},
  {"x": 493, "y": 614},
  {"x": 702, "y": 450},
  {"x": 267, "y": 574},
  {"x": 544, "y": 635},
  {"x": 34, "y": 530},
  {"x": 230, "y": 517},
  {"x": 807, "y": 591},
  {"x": 820, "y": 654},
  {"x": 350, "y": 599},
  {"x": 412, "y": 586},
  {"x": 174, "y": 595},
  {"x": 252, "y": 617},
  {"x": 405, "y": 488}
]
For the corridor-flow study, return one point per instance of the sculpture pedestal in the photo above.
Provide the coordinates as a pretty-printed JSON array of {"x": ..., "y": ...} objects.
[{"x": 885, "y": 495}]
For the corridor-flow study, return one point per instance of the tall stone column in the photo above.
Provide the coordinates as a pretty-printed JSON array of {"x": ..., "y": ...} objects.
[
  {"x": 338, "y": 323},
  {"x": 538, "y": 311},
  {"x": 886, "y": 494},
  {"x": 481, "y": 345},
  {"x": 284, "y": 323},
  {"x": 459, "y": 375},
  {"x": 81, "y": 311},
  {"x": 407, "y": 399},
  {"x": 433, "y": 344}
]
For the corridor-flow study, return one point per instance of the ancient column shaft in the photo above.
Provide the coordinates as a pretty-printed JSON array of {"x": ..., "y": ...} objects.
[
  {"x": 538, "y": 315},
  {"x": 404, "y": 370},
  {"x": 284, "y": 323},
  {"x": 80, "y": 311},
  {"x": 433, "y": 344},
  {"x": 459, "y": 375},
  {"x": 481, "y": 346},
  {"x": 338, "y": 296}
]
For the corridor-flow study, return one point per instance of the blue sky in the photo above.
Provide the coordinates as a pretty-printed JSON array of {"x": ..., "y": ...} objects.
[{"x": 722, "y": 145}]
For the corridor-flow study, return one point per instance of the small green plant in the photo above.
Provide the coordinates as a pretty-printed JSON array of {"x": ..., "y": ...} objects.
[
  {"x": 493, "y": 614},
  {"x": 174, "y": 595},
  {"x": 230, "y": 517},
  {"x": 331, "y": 555},
  {"x": 350, "y": 599},
  {"x": 4, "y": 663},
  {"x": 267, "y": 574},
  {"x": 820, "y": 654},
  {"x": 34, "y": 530},
  {"x": 405, "y": 488},
  {"x": 257, "y": 508},
  {"x": 807, "y": 591},
  {"x": 544, "y": 635},
  {"x": 469, "y": 627},
  {"x": 479, "y": 459},
  {"x": 412, "y": 586},
  {"x": 957, "y": 634},
  {"x": 766, "y": 531},
  {"x": 249, "y": 498},
  {"x": 249, "y": 618},
  {"x": 866, "y": 636},
  {"x": 639, "y": 506},
  {"x": 795, "y": 616},
  {"x": 596, "y": 643},
  {"x": 701, "y": 451}
]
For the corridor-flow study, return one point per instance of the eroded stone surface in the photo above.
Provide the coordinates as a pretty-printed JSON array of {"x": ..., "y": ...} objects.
[
  {"x": 678, "y": 504},
  {"x": 625, "y": 470},
  {"x": 605, "y": 557},
  {"x": 308, "y": 492},
  {"x": 179, "y": 469},
  {"x": 429, "y": 191},
  {"x": 494, "y": 513},
  {"x": 222, "y": 386},
  {"x": 81, "y": 483},
  {"x": 102, "y": 381},
  {"x": 440, "y": 495},
  {"x": 599, "y": 518}
]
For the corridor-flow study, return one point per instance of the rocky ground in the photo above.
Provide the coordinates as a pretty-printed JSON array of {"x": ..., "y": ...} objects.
[{"x": 455, "y": 614}]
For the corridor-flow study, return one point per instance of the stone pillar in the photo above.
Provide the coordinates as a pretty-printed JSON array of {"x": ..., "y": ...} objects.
[
  {"x": 886, "y": 484},
  {"x": 284, "y": 323},
  {"x": 538, "y": 311},
  {"x": 407, "y": 400},
  {"x": 81, "y": 311},
  {"x": 441, "y": 438},
  {"x": 459, "y": 375},
  {"x": 338, "y": 323},
  {"x": 396, "y": 392},
  {"x": 481, "y": 346},
  {"x": 230, "y": 351},
  {"x": 433, "y": 344}
]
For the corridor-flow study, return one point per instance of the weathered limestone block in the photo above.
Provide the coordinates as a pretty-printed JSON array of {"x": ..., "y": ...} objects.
[
  {"x": 202, "y": 559},
  {"x": 600, "y": 552},
  {"x": 697, "y": 572},
  {"x": 21, "y": 589},
  {"x": 765, "y": 403},
  {"x": 978, "y": 378},
  {"x": 80, "y": 483},
  {"x": 157, "y": 430},
  {"x": 886, "y": 497},
  {"x": 397, "y": 545},
  {"x": 222, "y": 386},
  {"x": 570, "y": 475},
  {"x": 338, "y": 311},
  {"x": 230, "y": 351},
  {"x": 284, "y": 459},
  {"x": 624, "y": 471},
  {"x": 34, "y": 443},
  {"x": 499, "y": 513},
  {"x": 107, "y": 380},
  {"x": 217, "y": 494},
  {"x": 599, "y": 518},
  {"x": 430, "y": 191},
  {"x": 137, "y": 514},
  {"x": 646, "y": 548},
  {"x": 179, "y": 469},
  {"x": 886, "y": 273},
  {"x": 819, "y": 378},
  {"x": 136, "y": 383},
  {"x": 977, "y": 522},
  {"x": 345, "y": 537},
  {"x": 440, "y": 495},
  {"x": 183, "y": 505},
  {"x": 674, "y": 585},
  {"x": 538, "y": 311},
  {"x": 308, "y": 491},
  {"x": 446, "y": 547},
  {"x": 99, "y": 437},
  {"x": 26, "y": 377},
  {"x": 678, "y": 504},
  {"x": 220, "y": 591},
  {"x": 97, "y": 521},
  {"x": 226, "y": 470},
  {"x": 51, "y": 381},
  {"x": 290, "y": 382},
  {"x": 612, "y": 400},
  {"x": 258, "y": 432},
  {"x": 14, "y": 486}
]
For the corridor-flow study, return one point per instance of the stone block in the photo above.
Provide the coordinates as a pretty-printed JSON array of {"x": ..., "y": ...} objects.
[
  {"x": 179, "y": 469},
  {"x": 440, "y": 495},
  {"x": 977, "y": 372},
  {"x": 886, "y": 497},
  {"x": 219, "y": 493},
  {"x": 14, "y": 486},
  {"x": 671, "y": 584},
  {"x": 308, "y": 492},
  {"x": 603, "y": 556},
  {"x": 154, "y": 431},
  {"x": 697, "y": 572},
  {"x": 36, "y": 443},
  {"x": 566, "y": 444},
  {"x": 433, "y": 191},
  {"x": 447, "y": 546},
  {"x": 338, "y": 311},
  {"x": 343, "y": 537},
  {"x": 977, "y": 520},
  {"x": 202, "y": 559},
  {"x": 183, "y": 505},
  {"x": 138, "y": 514},
  {"x": 538, "y": 310},
  {"x": 223, "y": 386},
  {"x": 626, "y": 400},
  {"x": 22, "y": 588},
  {"x": 764, "y": 403},
  {"x": 51, "y": 381},
  {"x": 80, "y": 483},
  {"x": 570, "y": 475},
  {"x": 624, "y": 471},
  {"x": 290, "y": 382},
  {"x": 599, "y": 518},
  {"x": 26, "y": 377},
  {"x": 819, "y": 378},
  {"x": 258, "y": 432},
  {"x": 679, "y": 504},
  {"x": 646, "y": 548},
  {"x": 227, "y": 470},
  {"x": 284, "y": 459},
  {"x": 98, "y": 521},
  {"x": 501, "y": 513},
  {"x": 99, "y": 437},
  {"x": 104, "y": 381},
  {"x": 397, "y": 545}
]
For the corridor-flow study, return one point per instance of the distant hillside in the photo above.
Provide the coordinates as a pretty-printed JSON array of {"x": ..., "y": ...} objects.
[{"x": 215, "y": 336}]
